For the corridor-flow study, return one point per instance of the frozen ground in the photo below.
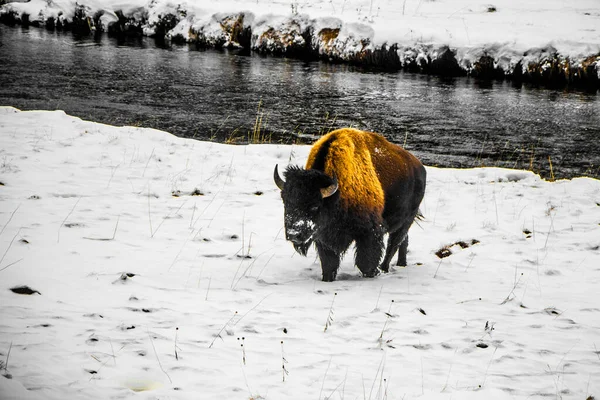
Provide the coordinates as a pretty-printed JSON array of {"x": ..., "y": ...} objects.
[
  {"x": 513, "y": 33},
  {"x": 153, "y": 259}
]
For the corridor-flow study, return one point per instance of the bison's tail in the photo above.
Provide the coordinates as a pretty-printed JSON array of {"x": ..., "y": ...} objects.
[{"x": 419, "y": 217}]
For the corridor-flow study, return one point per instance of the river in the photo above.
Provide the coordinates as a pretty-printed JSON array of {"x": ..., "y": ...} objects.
[{"x": 229, "y": 97}]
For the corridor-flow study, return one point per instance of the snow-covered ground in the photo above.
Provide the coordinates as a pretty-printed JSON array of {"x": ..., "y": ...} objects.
[
  {"x": 155, "y": 258},
  {"x": 534, "y": 35}
]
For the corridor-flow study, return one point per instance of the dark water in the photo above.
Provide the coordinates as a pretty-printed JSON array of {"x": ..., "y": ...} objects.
[{"x": 226, "y": 96}]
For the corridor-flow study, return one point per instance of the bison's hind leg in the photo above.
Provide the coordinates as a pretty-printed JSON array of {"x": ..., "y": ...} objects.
[
  {"x": 397, "y": 241},
  {"x": 402, "y": 250}
]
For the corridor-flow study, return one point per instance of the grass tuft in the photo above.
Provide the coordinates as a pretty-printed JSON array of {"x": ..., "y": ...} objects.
[{"x": 330, "y": 315}]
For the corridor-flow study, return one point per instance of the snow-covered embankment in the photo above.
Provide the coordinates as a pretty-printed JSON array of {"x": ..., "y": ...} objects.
[{"x": 540, "y": 41}]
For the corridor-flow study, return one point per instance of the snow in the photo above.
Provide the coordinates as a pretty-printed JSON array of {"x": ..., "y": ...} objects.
[
  {"x": 509, "y": 31},
  {"x": 143, "y": 294}
]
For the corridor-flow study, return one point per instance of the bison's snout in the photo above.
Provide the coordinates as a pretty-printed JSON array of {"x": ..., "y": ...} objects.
[
  {"x": 299, "y": 232},
  {"x": 293, "y": 238},
  {"x": 296, "y": 236}
]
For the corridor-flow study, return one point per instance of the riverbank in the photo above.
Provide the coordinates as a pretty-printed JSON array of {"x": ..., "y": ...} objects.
[
  {"x": 541, "y": 42},
  {"x": 139, "y": 265}
]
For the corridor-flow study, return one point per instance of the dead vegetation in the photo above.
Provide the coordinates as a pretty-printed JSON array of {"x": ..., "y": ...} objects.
[{"x": 446, "y": 251}]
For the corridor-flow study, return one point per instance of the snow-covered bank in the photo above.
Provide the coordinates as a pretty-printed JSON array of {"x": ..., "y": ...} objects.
[
  {"x": 546, "y": 41},
  {"x": 154, "y": 258}
]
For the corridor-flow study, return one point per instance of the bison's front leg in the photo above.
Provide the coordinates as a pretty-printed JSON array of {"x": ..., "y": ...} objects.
[
  {"x": 369, "y": 249},
  {"x": 330, "y": 262}
]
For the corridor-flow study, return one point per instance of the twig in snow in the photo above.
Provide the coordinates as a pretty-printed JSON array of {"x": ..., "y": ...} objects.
[
  {"x": 192, "y": 217},
  {"x": 205, "y": 208},
  {"x": 147, "y": 162},
  {"x": 337, "y": 387},
  {"x": 249, "y": 245},
  {"x": 116, "y": 226},
  {"x": 380, "y": 368},
  {"x": 325, "y": 377},
  {"x": 236, "y": 273},
  {"x": 107, "y": 239},
  {"x": 330, "y": 315},
  {"x": 283, "y": 362},
  {"x": 167, "y": 217},
  {"x": 176, "y": 347},
  {"x": 342, "y": 13},
  {"x": 383, "y": 329},
  {"x": 149, "y": 215},
  {"x": 65, "y": 220},
  {"x": 496, "y": 205},
  {"x": 7, "y": 357},
  {"x": 254, "y": 307},
  {"x": 11, "y": 264},
  {"x": 471, "y": 257},
  {"x": 488, "y": 367},
  {"x": 449, "y": 371},
  {"x": 418, "y": 6},
  {"x": 377, "y": 303},
  {"x": 216, "y": 213},
  {"x": 208, "y": 288},
  {"x": 9, "y": 246},
  {"x": 243, "y": 273},
  {"x": 551, "y": 226},
  {"x": 265, "y": 266},
  {"x": 9, "y": 219},
  {"x": 157, "y": 359},
  {"x": 112, "y": 174},
  {"x": 112, "y": 351},
  {"x": 243, "y": 350},
  {"x": 179, "y": 252},
  {"x": 438, "y": 268},
  {"x": 512, "y": 291},
  {"x": 455, "y": 12},
  {"x": 231, "y": 169},
  {"x": 222, "y": 329}
]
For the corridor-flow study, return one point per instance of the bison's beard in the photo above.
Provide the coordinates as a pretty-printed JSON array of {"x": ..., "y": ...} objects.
[{"x": 302, "y": 248}]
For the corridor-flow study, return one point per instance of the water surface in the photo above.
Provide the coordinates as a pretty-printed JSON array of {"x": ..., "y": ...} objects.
[{"x": 230, "y": 97}]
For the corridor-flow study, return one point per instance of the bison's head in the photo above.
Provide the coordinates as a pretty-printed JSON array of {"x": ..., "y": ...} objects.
[{"x": 303, "y": 193}]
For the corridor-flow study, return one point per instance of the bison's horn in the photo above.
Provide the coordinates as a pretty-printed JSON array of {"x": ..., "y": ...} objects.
[
  {"x": 278, "y": 181},
  {"x": 331, "y": 189}
]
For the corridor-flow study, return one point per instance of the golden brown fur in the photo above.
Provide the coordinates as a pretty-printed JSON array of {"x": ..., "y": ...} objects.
[{"x": 365, "y": 163}]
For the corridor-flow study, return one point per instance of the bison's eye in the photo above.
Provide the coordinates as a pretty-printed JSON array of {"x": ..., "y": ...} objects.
[{"x": 314, "y": 209}]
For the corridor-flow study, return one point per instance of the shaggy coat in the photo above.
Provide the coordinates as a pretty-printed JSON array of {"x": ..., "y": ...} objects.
[{"x": 356, "y": 187}]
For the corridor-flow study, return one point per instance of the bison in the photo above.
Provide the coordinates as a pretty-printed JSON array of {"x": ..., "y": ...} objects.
[{"x": 356, "y": 187}]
